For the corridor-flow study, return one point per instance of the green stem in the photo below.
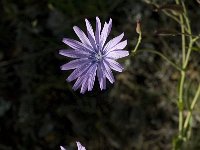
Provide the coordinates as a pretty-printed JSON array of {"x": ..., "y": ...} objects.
[
  {"x": 182, "y": 79},
  {"x": 182, "y": 34},
  {"x": 189, "y": 32},
  {"x": 185, "y": 14},
  {"x": 183, "y": 39},
  {"x": 171, "y": 16},
  {"x": 164, "y": 57},
  {"x": 189, "y": 51},
  {"x": 138, "y": 43},
  {"x": 180, "y": 104},
  {"x": 194, "y": 101}
]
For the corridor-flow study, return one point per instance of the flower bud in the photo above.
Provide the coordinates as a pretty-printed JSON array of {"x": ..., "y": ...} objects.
[{"x": 138, "y": 27}]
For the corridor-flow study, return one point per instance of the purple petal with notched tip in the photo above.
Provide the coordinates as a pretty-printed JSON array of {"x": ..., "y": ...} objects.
[
  {"x": 108, "y": 73},
  {"x": 82, "y": 36},
  {"x": 76, "y": 45},
  {"x": 114, "y": 65},
  {"x": 101, "y": 77},
  {"x": 79, "y": 71},
  {"x": 116, "y": 54},
  {"x": 98, "y": 31},
  {"x": 113, "y": 42},
  {"x": 105, "y": 32},
  {"x": 91, "y": 77},
  {"x": 86, "y": 83},
  {"x": 90, "y": 34},
  {"x": 120, "y": 45},
  {"x": 80, "y": 147},
  {"x": 78, "y": 83},
  {"x": 74, "y": 53},
  {"x": 74, "y": 64}
]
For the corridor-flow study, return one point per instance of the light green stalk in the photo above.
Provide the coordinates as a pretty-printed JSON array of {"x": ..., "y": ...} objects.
[
  {"x": 185, "y": 27},
  {"x": 194, "y": 101},
  {"x": 138, "y": 30}
]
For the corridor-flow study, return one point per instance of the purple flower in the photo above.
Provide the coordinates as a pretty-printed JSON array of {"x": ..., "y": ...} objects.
[
  {"x": 93, "y": 56},
  {"x": 80, "y": 147}
]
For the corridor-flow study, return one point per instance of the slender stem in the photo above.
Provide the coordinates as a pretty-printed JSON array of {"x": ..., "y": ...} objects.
[
  {"x": 185, "y": 14},
  {"x": 190, "y": 32},
  {"x": 183, "y": 39},
  {"x": 189, "y": 51},
  {"x": 138, "y": 43},
  {"x": 182, "y": 34},
  {"x": 182, "y": 78},
  {"x": 171, "y": 16},
  {"x": 178, "y": 34},
  {"x": 194, "y": 101},
  {"x": 175, "y": 19},
  {"x": 180, "y": 103},
  {"x": 198, "y": 44},
  {"x": 164, "y": 57}
]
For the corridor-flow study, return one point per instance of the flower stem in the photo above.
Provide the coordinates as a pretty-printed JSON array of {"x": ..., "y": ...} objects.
[
  {"x": 194, "y": 101},
  {"x": 138, "y": 43},
  {"x": 180, "y": 104},
  {"x": 182, "y": 80},
  {"x": 184, "y": 124},
  {"x": 189, "y": 51},
  {"x": 164, "y": 57}
]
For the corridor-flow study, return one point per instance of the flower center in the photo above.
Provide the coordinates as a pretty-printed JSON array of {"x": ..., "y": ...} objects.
[{"x": 98, "y": 56}]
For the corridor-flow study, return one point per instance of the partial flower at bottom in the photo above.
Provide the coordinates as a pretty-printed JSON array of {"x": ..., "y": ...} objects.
[{"x": 80, "y": 147}]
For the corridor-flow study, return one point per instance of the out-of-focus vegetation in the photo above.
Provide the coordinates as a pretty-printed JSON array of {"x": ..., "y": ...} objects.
[{"x": 39, "y": 110}]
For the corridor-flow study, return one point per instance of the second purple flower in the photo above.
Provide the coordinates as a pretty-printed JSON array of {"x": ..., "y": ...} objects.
[{"x": 93, "y": 56}]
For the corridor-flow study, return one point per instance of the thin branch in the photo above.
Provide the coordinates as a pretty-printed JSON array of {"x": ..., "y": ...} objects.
[{"x": 162, "y": 56}]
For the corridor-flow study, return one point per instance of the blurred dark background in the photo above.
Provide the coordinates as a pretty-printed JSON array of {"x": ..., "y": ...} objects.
[{"x": 39, "y": 110}]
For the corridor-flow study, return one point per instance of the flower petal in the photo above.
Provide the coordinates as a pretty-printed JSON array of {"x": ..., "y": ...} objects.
[
  {"x": 78, "y": 83},
  {"x": 80, "y": 147},
  {"x": 109, "y": 26},
  {"x": 105, "y": 32},
  {"x": 116, "y": 54},
  {"x": 101, "y": 77},
  {"x": 90, "y": 73},
  {"x": 108, "y": 73},
  {"x": 98, "y": 30},
  {"x": 120, "y": 45},
  {"x": 91, "y": 77},
  {"x": 79, "y": 71},
  {"x": 90, "y": 34},
  {"x": 74, "y": 64},
  {"x": 62, "y": 148},
  {"x": 73, "y": 53},
  {"x": 82, "y": 36},
  {"x": 76, "y": 44},
  {"x": 84, "y": 85},
  {"x": 113, "y": 42},
  {"x": 114, "y": 65}
]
